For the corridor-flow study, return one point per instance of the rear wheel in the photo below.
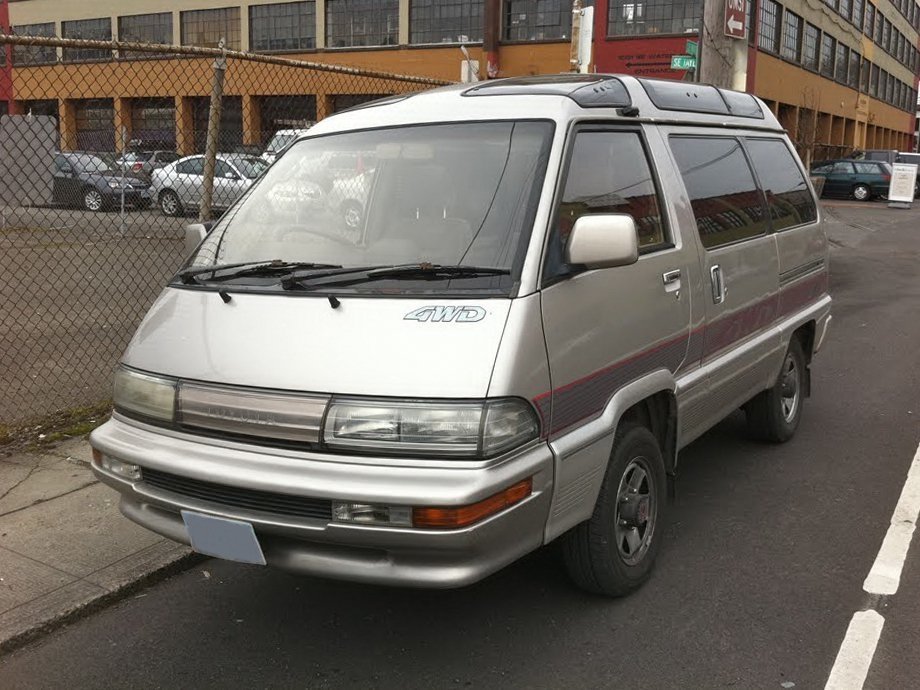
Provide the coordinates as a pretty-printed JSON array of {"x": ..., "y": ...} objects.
[
  {"x": 92, "y": 199},
  {"x": 170, "y": 204},
  {"x": 774, "y": 415},
  {"x": 861, "y": 192},
  {"x": 614, "y": 551}
]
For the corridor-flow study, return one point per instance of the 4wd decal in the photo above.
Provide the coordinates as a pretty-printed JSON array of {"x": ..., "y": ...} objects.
[{"x": 446, "y": 313}]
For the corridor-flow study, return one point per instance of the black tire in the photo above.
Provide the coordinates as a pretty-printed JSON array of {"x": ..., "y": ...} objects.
[
  {"x": 93, "y": 200},
  {"x": 861, "y": 192},
  {"x": 170, "y": 203},
  {"x": 593, "y": 551},
  {"x": 769, "y": 417}
]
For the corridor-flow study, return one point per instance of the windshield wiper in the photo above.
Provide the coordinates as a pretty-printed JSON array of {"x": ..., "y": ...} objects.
[
  {"x": 420, "y": 271},
  {"x": 249, "y": 268}
]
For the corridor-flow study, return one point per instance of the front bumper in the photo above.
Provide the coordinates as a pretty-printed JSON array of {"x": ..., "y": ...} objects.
[{"x": 374, "y": 554}]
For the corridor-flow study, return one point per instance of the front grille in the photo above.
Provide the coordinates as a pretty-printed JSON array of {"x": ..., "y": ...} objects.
[{"x": 235, "y": 497}]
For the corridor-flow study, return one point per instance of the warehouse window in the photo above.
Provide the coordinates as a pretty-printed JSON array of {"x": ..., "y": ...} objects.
[
  {"x": 873, "y": 82},
  {"x": 843, "y": 57},
  {"x": 631, "y": 18},
  {"x": 864, "y": 76},
  {"x": 445, "y": 21},
  {"x": 792, "y": 36},
  {"x": 844, "y": 8},
  {"x": 89, "y": 29},
  {"x": 869, "y": 26},
  {"x": 853, "y": 73},
  {"x": 95, "y": 120},
  {"x": 828, "y": 51},
  {"x": 769, "y": 26},
  {"x": 205, "y": 28},
  {"x": 34, "y": 55},
  {"x": 145, "y": 28},
  {"x": 858, "y": 13},
  {"x": 536, "y": 20},
  {"x": 284, "y": 26},
  {"x": 810, "y": 49},
  {"x": 356, "y": 23},
  {"x": 879, "y": 28}
]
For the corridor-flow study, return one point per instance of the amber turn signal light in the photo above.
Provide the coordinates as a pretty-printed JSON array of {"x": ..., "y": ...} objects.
[{"x": 461, "y": 516}]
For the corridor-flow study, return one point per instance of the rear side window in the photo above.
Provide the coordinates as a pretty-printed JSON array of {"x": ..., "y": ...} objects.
[
  {"x": 726, "y": 202},
  {"x": 609, "y": 173},
  {"x": 192, "y": 166},
  {"x": 868, "y": 168},
  {"x": 788, "y": 196}
]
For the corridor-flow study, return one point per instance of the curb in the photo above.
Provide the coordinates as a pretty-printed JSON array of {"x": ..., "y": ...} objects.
[{"x": 182, "y": 560}]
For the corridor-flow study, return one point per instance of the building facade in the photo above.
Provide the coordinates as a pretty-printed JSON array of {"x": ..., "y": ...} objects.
[{"x": 840, "y": 74}]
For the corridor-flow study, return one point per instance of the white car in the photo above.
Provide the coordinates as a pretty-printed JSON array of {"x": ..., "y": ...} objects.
[
  {"x": 178, "y": 186},
  {"x": 280, "y": 140}
]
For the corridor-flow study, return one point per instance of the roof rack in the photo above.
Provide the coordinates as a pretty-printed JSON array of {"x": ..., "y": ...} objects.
[
  {"x": 700, "y": 98},
  {"x": 587, "y": 90}
]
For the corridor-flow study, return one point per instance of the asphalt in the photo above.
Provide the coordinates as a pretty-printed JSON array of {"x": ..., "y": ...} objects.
[{"x": 761, "y": 569}]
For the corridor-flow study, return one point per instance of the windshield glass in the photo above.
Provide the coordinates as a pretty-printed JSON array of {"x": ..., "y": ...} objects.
[
  {"x": 85, "y": 162},
  {"x": 250, "y": 167},
  {"x": 440, "y": 194},
  {"x": 279, "y": 141}
]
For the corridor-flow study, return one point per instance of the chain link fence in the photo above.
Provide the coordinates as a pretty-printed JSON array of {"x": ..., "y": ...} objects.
[{"x": 109, "y": 150}]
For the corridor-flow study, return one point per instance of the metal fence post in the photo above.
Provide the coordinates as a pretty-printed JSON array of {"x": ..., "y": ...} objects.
[{"x": 210, "y": 152}]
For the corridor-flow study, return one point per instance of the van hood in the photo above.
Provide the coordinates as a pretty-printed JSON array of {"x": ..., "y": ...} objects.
[{"x": 367, "y": 346}]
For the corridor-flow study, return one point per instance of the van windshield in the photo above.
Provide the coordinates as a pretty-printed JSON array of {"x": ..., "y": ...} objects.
[{"x": 457, "y": 194}]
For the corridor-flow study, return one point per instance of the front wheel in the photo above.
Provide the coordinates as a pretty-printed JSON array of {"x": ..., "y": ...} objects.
[
  {"x": 170, "y": 204},
  {"x": 92, "y": 200},
  {"x": 861, "y": 192},
  {"x": 775, "y": 413},
  {"x": 613, "y": 552}
]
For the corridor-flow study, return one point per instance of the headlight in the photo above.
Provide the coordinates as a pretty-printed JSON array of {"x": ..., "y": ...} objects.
[
  {"x": 115, "y": 184},
  {"x": 144, "y": 395},
  {"x": 461, "y": 429}
]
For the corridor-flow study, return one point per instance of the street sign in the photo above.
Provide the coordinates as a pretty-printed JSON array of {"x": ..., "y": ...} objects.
[
  {"x": 684, "y": 62},
  {"x": 692, "y": 48},
  {"x": 735, "y": 18}
]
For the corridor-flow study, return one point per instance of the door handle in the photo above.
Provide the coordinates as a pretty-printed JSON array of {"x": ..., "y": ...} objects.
[
  {"x": 671, "y": 277},
  {"x": 718, "y": 285}
]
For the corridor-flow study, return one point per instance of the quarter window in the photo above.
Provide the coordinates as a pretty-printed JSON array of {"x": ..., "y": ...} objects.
[
  {"x": 609, "y": 173},
  {"x": 788, "y": 197},
  {"x": 867, "y": 168},
  {"x": 725, "y": 200}
]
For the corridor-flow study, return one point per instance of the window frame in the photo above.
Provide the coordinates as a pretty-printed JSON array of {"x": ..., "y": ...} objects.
[
  {"x": 565, "y": 165},
  {"x": 764, "y": 207}
]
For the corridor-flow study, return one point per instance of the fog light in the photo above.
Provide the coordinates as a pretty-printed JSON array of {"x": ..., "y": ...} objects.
[
  {"x": 372, "y": 514},
  {"x": 125, "y": 470}
]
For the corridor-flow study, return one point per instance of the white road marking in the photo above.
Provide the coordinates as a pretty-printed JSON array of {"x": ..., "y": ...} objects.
[
  {"x": 855, "y": 656},
  {"x": 885, "y": 575}
]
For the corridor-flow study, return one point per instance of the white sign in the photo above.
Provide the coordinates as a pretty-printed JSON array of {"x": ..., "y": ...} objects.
[{"x": 903, "y": 183}]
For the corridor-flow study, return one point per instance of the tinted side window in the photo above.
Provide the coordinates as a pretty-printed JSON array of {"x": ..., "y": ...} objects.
[
  {"x": 788, "y": 198},
  {"x": 609, "y": 173},
  {"x": 823, "y": 169},
  {"x": 193, "y": 166},
  {"x": 726, "y": 202}
]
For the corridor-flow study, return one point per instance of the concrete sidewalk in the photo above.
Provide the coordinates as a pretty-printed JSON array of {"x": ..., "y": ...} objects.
[{"x": 64, "y": 546}]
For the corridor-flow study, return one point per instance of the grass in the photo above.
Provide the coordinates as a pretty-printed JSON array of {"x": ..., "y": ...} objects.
[{"x": 59, "y": 426}]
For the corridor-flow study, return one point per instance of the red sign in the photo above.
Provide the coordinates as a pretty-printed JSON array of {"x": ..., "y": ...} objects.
[
  {"x": 642, "y": 57},
  {"x": 735, "y": 18}
]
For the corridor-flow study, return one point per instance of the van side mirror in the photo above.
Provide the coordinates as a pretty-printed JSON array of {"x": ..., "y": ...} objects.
[
  {"x": 194, "y": 235},
  {"x": 603, "y": 241}
]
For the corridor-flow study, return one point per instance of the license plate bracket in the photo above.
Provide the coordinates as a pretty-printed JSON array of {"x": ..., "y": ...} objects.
[{"x": 232, "y": 540}]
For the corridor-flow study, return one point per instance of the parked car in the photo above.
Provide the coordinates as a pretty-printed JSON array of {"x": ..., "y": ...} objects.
[
  {"x": 862, "y": 180},
  {"x": 538, "y": 315},
  {"x": 281, "y": 140},
  {"x": 88, "y": 180},
  {"x": 178, "y": 185},
  {"x": 143, "y": 163}
]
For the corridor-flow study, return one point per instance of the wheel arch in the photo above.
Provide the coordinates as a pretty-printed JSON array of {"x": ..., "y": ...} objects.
[{"x": 581, "y": 455}]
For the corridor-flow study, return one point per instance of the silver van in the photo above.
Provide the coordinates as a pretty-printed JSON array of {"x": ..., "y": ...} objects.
[{"x": 554, "y": 284}]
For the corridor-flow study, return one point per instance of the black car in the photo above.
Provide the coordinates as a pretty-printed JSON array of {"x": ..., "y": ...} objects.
[{"x": 87, "y": 180}]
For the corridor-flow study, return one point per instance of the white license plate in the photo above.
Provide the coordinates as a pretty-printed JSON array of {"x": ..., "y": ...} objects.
[{"x": 232, "y": 540}]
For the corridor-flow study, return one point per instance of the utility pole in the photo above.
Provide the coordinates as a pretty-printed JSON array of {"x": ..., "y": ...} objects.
[
  {"x": 723, "y": 44},
  {"x": 210, "y": 151}
]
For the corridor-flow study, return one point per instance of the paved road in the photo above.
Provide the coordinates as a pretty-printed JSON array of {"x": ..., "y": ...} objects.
[{"x": 760, "y": 574}]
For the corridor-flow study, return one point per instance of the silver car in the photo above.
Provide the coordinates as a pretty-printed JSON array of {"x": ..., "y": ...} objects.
[
  {"x": 177, "y": 187},
  {"x": 553, "y": 286}
]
